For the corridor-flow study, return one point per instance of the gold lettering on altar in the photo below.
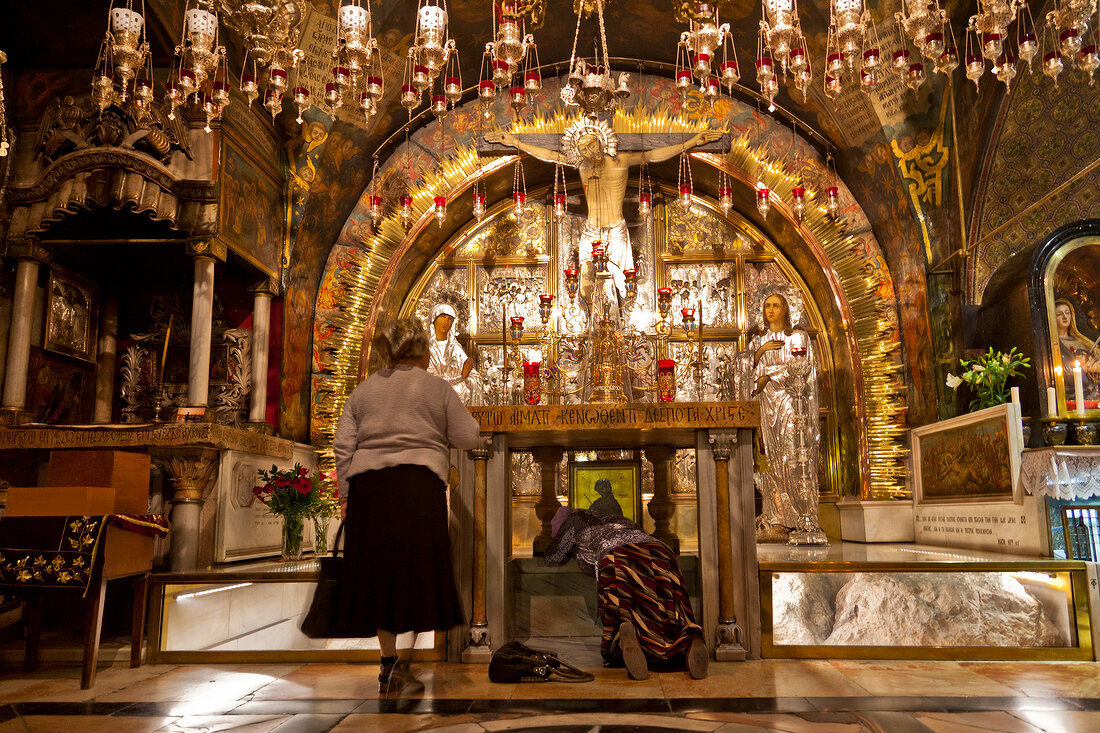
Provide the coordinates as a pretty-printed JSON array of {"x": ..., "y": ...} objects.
[{"x": 694, "y": 415}]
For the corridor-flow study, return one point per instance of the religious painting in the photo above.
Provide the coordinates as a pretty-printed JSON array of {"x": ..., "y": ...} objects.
[
  {"x": 970, "y": 458},
  {"x": 59, "y": 389},
  {"x": 71, "y": 315},
  {"x": 251, "y": 211},
  {"x": 1073, "y": 323},
  {"x": 607, "y": 487}
]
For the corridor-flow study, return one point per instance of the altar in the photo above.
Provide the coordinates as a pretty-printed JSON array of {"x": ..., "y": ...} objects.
[{"x": 720, "y": 434}]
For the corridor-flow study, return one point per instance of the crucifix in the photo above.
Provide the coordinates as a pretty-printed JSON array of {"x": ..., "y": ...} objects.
[{"x": 592, "y": 147}]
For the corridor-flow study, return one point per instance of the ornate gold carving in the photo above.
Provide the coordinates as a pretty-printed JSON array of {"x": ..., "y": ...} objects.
[
  {"x": 192, "y": 475},
  {"x": 644, "y": 416},
  {"x": 144, "y": 436},
  {"x": 28, "y": 249},
  {"x": 213, "y": 249},
  {"x": 96, "y": 159},
  {"x": 268, "y": 286}
]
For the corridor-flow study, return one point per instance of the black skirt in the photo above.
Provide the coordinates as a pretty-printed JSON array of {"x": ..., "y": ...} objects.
[{"x": 397, "y": 566}]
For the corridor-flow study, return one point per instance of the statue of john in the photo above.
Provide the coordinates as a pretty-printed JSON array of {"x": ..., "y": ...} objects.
[{"x": 591, "y": 147}]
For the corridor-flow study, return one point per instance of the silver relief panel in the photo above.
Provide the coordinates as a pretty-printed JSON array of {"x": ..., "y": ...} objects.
[
  {"x": 506, "y": 291},
  {"x": 713, "y": 283}
]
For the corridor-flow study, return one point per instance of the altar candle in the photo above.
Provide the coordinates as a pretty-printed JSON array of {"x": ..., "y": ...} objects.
[
  {"x": 1015, "y": 392},
  {"x": 1078, "y": 389},
  {"x": 1052, "y": 402}
]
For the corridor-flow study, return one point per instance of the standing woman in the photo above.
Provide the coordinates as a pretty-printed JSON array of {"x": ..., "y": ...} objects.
[{"x": 392, "y": 456}]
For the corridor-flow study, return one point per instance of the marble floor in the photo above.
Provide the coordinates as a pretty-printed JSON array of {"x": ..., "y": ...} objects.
[{"x": 763, "y": 695}]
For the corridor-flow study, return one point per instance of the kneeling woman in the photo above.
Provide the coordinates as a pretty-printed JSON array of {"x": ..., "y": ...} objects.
[{"x": 643, "y": 602}]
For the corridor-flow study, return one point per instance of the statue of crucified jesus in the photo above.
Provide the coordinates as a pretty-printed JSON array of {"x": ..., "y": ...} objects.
[{"x": 590, "y": 146}]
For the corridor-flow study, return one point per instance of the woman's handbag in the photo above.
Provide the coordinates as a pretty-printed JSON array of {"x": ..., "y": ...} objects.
[
  {"x": 324, "y": 621},
  {"x": 516, "y": 662}
]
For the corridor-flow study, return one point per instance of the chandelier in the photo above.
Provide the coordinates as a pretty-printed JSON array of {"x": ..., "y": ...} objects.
[
  {"x": 852, "y": 40},
  {"x": 270, "y": 31},
  {"x": 356, "y": 62},
  {"x": 925, "y": 24},
  {"x": 698, "y": 52},
  {"x": 591, "y": 85},
  {"x": 123, "y": 72},
  {"x": 1070, "y": 23},
  {"x": 432, "y": 51},
  {"x": 512, "y": 51},
  {"x": 781, "y": 39}
]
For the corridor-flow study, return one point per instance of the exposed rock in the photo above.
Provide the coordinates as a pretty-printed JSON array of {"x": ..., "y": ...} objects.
[
  {"x": 803, "y": 606},
  {"x": 910, "y": 609}
]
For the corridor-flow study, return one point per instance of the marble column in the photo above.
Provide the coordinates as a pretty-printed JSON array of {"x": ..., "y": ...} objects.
[
  {"x": 478, "y": 649},
  {"x": 29, "y": 257},
  {"x": 729, "y": 636},
  {"x": 661, "y": 506},
  {"x": 261, "y": 335},
  {"x": 105, "y": 361},
  {"x": 205, "y": 254},
  {"x": 191, "y": 475},
  {"x": 548, "y": 458}
]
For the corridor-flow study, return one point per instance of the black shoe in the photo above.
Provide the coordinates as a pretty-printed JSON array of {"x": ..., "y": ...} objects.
[
  {"x": 633, "y": 656},
  {"x": 698, "y": 659},
  {"x": 402, "y": 682},
  {"x": 385, "y": 669}
]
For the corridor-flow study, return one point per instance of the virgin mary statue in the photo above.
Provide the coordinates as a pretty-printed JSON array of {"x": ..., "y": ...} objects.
[
  {"x": 778, "y": 369},
  {"x": 448, "y": 358}
]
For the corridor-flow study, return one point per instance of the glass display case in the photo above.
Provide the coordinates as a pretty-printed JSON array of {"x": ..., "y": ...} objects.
[{"x": 906, "y": 601}]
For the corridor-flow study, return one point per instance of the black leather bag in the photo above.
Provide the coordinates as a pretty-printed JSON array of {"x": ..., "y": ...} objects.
[
  {"x": 323, "y": 621},
  {"x": 517, "y": 662}
]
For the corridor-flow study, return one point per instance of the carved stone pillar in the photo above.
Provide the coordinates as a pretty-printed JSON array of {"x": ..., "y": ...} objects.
[
  {"x": 261, "y": 334},
  {"x": 661, "y": 506},
  {"x": 29, "y": 256},
  {"x": 105, "y": 361},
  {"x": 205, "y": 254},
  {"x": 729, "y": 636},
  {"x": 191, "y": 474},
  {"x": 478, "y": 649},
  {"x": 548, "y": 458}
]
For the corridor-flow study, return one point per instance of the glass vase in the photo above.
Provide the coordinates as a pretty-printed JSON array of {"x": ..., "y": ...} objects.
[
  {"x": 320, "y": 535},
  {"x": 292, "y": 537}
]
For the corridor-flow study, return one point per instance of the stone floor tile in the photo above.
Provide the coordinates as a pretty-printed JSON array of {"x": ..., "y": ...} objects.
[
  {"x": 201, "y": 682},
  {"x": 975, "y": 722},
  {"x": 764, "y": 678},
  {"x": 383, "y": 723},
  {"x": 217, "y": 723},
  {"x": 1063, "y": 679},
  {"x": 1059, "y": 721},
  {"x": 83, "y": 723},
  {"x": 919, "y": 678}
]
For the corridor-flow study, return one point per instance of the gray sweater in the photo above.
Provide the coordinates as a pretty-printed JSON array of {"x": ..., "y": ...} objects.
[{"x": 397, "y": 416}]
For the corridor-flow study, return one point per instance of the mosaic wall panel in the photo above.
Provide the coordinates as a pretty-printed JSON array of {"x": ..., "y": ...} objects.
[
  {"x": 509, "y": 236},
  {"x": 714, "y": 283},
  {"x": 1039, "y": 177},
  {"x": 698, "y": 232},
  {"x": 513, "y": 288}
]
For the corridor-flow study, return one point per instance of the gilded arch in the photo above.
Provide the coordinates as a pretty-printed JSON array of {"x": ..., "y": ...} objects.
[{"x": 370, "y": 272}]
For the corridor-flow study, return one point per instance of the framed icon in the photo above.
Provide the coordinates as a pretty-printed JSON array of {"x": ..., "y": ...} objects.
[
  {"x": 72, "y": 312},
  {"x": 607, "y": 487}
]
